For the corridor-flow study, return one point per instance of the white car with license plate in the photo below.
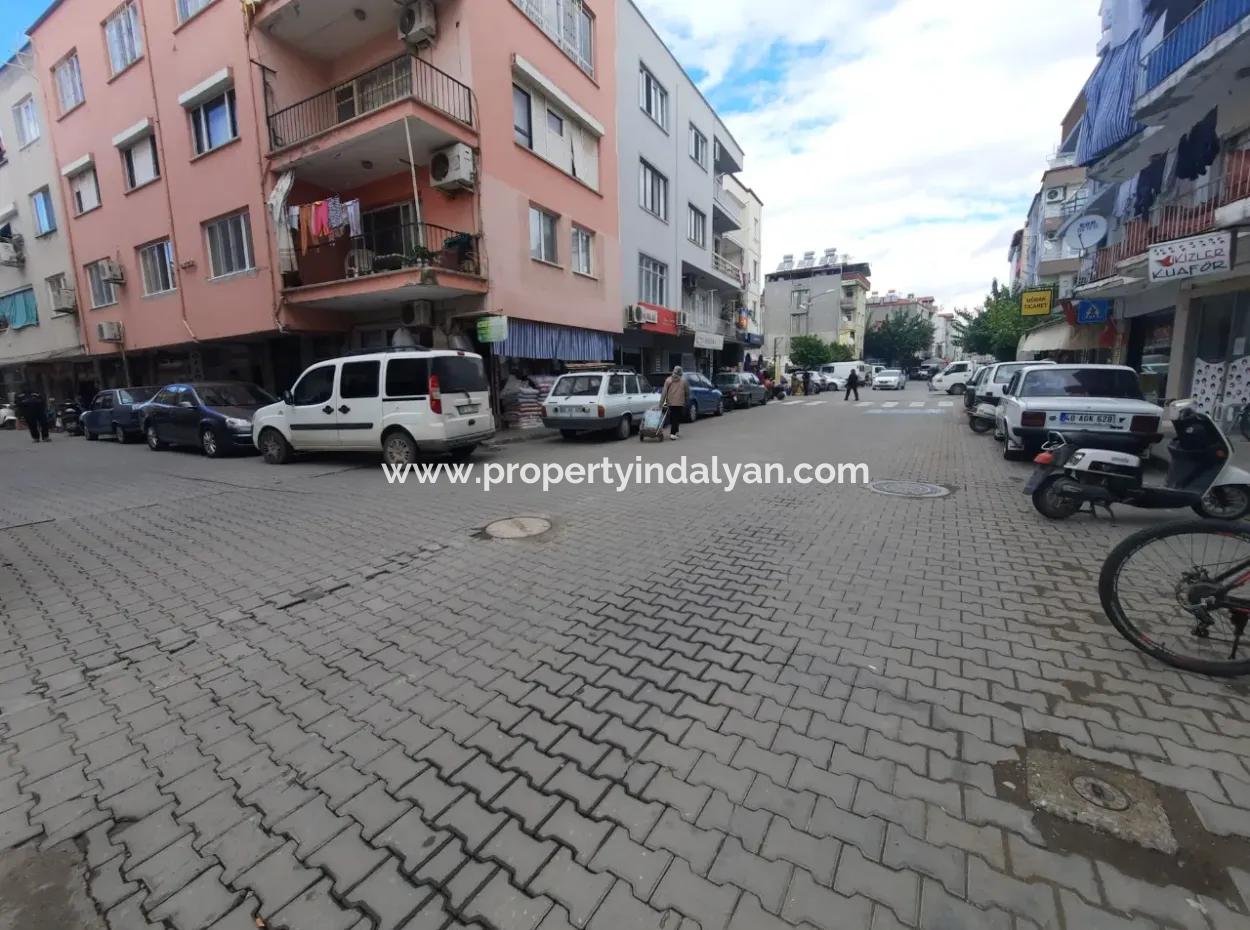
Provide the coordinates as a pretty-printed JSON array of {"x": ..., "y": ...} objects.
[
  {"x": 610, "y": 400},
  {"x": 889, "y": 379},
  {"x": 1093, "y": 405}
]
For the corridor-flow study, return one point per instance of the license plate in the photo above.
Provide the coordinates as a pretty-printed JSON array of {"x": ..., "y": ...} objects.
[
  {"x": 1039, "y": 475},
  {"x": 1092, "y": 419},
  {"x": 467, "y": 408}
]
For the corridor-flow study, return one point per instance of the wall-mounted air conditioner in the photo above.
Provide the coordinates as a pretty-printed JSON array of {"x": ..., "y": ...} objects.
[
  {"x": 64, "y": 300},
  {"x": 109, "y": 331},
  {"x": 418, "y": 23},
  {"x": 1054, "y": 195},
  {"x": 451, "y": 168},
  {"x": 112, "y": 271},
  {"x": 684, "y": 321},
  {"x": 12, "y": 251}
]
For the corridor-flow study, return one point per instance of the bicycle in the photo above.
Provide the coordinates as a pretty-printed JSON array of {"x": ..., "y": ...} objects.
[{"x": 1192, "y": 579}]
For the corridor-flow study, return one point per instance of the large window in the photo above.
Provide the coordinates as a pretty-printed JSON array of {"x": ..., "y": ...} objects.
[
  {"x": 359, "y": 379},
  {"x": 698, "y": 146},
  {"x": 799, "y": 298},
  {"x": 102, "y": 292},
  {"x": 213, "y": 123},
  {"x": 543, "y": 236},
  {"x": 229, "y": 244},
  {"x": 798, "y": 324},
  {"x": 85, "y": 190},
  {"x": 569, "y": 24},
  {"x": 27, "y": 119},
  {"x": 522, "y": 117},
  {"x": 156, "y": 261},
  {"x": 653, "y": 191},
  {"x": 652, "y": 281},
  {"x": 556, "y": 133},
  {"x": 696, "y": 226},
  {"x": 188, "y": 8},
  {"x": 45, "y": 216},
  {"x": 140, "y": 164},
  {"x": 316, "y": 387},
  {"x": 582, "y": 246},
  {"x": 68, "y": 79},
  {"x": 653, "y": 98},
  {"x": 125, "y": 43}
]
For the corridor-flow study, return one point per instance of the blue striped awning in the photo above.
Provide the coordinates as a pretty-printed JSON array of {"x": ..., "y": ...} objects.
[
  {"x": 19, "y": 309},
  {"x": 1109, "y": 95},
  {"x": 528, "y": 339}
]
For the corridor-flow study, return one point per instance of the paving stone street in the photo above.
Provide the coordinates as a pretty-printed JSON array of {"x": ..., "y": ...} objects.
[{"x": 235, "y": 695}]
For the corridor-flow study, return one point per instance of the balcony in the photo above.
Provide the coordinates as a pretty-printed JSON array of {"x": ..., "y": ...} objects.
[
  {"x": 728, "y": 268},
  {"x": 725, "y": 159},
  {"x": 406, "y": 78},
  {"x": 568, "y": 24},
  {"x": 328, "y": 29},
  {"x": 1205, "y": 51},
  {"x": 726, "y": 210},
  {"x": 847, "y": 303},
  {"x": 388, "y": 266}
]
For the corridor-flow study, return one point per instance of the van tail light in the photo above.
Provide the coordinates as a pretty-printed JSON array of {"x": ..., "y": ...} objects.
[
  {"x": 436, "y": 396},
  {"x": 1144, "y": 424},
  {"x": 602, "y": 411},
  {"x": 1033, "y": 418},
  {"x": 1044, "y": 458}
]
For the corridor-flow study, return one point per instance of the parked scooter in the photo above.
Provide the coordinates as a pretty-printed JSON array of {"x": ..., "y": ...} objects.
[
  {"x": 69, "y": 417},
  {"x": 8, "y": 417},
  {"x": 981, "y": 418},
  {"x": 1199, "y": 476}
]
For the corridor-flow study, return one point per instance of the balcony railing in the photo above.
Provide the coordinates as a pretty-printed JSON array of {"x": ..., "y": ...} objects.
[
  {"x": 729, "y": 203},
  {"x": 380, "y": 249},
  {"x": 404, "y": 77},
  {"x": 847, "y": 303},
  {"x": 1188, "y": 214},
  {"x": 569, "y": 24},
  {"x": 1191, "y": 35},
  {"x": 726, "y": 267}
]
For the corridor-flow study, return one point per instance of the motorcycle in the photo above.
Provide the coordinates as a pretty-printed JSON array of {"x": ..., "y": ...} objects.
[
  {"x": 8, "y": 417},
  {"x": 981, "y": 418},
  {"x": 1199, "y": 475},
  {"x": 69, "y": 418}
]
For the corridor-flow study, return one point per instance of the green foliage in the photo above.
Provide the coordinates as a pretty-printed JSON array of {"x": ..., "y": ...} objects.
[
  {"x": 841, "y": 353},
  {"x": 996, "y": 330},
  {"x": 810, "y": 352},
  {"x": 899, "y": 338}
]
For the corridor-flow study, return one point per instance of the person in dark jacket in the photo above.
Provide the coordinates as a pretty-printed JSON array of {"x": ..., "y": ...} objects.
[
  {"x": 852, "y": 384},
  {"x": 32, "y": 407}
]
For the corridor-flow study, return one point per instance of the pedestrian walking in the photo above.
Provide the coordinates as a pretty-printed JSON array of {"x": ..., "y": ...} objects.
[
  {"x": 807, "y": 383},
  {"x": 32, "y": 407},
  {"x": 675, "y": 395},
  {"x": 852, "y": 384}
]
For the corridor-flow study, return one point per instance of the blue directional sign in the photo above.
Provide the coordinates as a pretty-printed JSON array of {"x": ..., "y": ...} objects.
[{"x": 1093, "y": 311}]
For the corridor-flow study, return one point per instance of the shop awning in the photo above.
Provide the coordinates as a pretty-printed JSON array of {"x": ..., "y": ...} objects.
[
  {"x": 1060, "y": 337},
  {"x": 528, "y": 339}
]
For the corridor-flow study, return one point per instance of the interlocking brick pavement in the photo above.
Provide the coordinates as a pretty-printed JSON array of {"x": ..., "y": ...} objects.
[{"x": 303, "y": 695}]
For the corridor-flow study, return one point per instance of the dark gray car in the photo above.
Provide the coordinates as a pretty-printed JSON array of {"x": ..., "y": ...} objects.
[
  {"x": 115, "y": 412},
  {"x": 740, "y": 389}
]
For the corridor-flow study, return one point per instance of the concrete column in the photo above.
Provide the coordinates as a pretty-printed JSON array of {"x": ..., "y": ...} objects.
[{"x": 1184, "y": 345}]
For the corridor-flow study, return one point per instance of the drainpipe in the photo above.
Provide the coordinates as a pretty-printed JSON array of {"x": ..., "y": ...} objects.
[
  {"x": 416, "y": 194},
  {"x": 262, "y": 173}
]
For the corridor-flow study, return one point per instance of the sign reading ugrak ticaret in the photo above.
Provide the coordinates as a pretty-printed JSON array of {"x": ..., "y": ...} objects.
[{"x": 1195, "y": 257}]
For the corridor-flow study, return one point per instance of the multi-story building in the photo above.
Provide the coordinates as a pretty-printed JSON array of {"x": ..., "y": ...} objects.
[
  {"x": 39, "y": 325},
  {"x": 682, "y": 275},
  {"x": 824, "y": 297},
  {"x": 747, "y": 240},
  {"x": 885, "y": 305}
]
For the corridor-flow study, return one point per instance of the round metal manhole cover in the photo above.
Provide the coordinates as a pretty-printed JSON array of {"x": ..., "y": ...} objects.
[
  {"x": 918, "y": 489},
  {"x": 517, "y": 528},
  {"x": 1101, "y": 793}
]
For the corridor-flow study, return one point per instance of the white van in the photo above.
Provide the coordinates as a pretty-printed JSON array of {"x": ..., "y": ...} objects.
[
  {"x": 954, "y": 377},
  {"x": 403, "y": 402},
  {"x": 842, "y": 370}
]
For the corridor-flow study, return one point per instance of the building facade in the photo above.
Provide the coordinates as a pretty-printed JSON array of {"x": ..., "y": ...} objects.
[
  {"x": 40, "y": 328},
  {"x": 749, "y": 240},
  {"x": 825, "y": 297},
  {"x": 682, "y": 236}
]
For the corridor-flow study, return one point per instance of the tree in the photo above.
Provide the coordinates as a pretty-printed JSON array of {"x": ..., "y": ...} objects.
[
  {"x": 899, "y": 338},
  {"x": 810, "y": 352},
  {"x": 841, "y": 353},
  {"x": 997, "y": 329}
]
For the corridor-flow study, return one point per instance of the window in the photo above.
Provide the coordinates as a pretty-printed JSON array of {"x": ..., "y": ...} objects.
[
  {"x": 652, "y": 98},
  {"x": 156, "y": 261},
  {"x": 103, "y": 401},
  {"x": 799, "y": 298},
  {"x": 125, "y": 44},
  {"x": 102, "y": 292},
  {"x": 27, "y": 119},
  {"x": 229, "y": 245},
  {"x": 652, "y": 281},
  {"x": 522, "y": 117},
  {"x": 45, "y": 216},
  {"x": 188, "y": 8},
  {"x": 696, "y": 226},
  {"x": 698, "y": 146},
  {"x": 58, "y": 284},
  {"x": 653, "y": 191},
  {"x": 85, "y": 190},
  {"x": 584, "y": 43},
  {"x": 582, "y": 240},
  {"x": 555, "y": 122},
  {"x": 460, "y": 374},
  {"x": 616, "y": 384},
  {"x": 140, "y": 164},
  {"x": 316, "y": 387},
  {"x": 543, "y": 235},
  {"x": 68, "y": 79},
  {"x": 631, "y": 384},
  {"x": 407, "y": 377},
  {"x": 359, "y": 379},
  {"x": 798, "y": 324},
  {"x": 755, "y": 270},
  {"x": 569, "y": 24},
  {"x": 213, "y": 123}
]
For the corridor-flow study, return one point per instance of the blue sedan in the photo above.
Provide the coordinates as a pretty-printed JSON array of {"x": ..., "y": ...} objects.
[
  {"x": 705, "y": 399},
  {"x": 116, "y": 412},
  {"x": 215, "y": 416}
]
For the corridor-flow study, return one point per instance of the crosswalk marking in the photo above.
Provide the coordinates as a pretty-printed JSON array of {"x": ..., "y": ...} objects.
[
  {"x": 916, "y": 403},
  {"x": 815, "y": 403},
  {"x": 865, "y": 403},
  {"x": 890, "y": 403},
  {"x": 946, "y": 403}
]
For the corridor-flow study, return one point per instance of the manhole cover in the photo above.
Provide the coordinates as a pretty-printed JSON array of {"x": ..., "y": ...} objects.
[
  {"x": 1101, "y": 793},
  {"x": 518, "y": 528},
  {"x": 895, "y": 488}
]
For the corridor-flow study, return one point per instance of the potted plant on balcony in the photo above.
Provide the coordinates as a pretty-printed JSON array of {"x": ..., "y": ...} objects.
[
  {"x": 421, "y": 256},
  {"x": 390, "y": 262}
]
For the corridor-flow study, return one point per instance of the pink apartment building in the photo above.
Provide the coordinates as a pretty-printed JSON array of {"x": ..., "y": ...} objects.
[{"x": 254, "y": 186}]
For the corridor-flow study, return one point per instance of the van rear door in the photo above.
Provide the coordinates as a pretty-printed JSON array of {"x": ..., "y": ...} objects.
[{"x": 464, "y": 394}]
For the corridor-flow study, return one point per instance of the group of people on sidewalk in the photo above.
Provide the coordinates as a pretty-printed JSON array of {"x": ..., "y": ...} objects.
[{"x": 32, "y": 408}]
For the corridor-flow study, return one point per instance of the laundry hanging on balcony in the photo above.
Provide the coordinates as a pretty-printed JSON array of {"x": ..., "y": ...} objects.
[
  {"x": 325, "y": 221},
  {"x": 279, "y": 213},
  {"x": 1198, "y": 148}
]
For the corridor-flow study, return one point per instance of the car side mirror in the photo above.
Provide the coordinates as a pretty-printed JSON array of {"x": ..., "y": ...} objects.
[{"x": 288, "y": 398}]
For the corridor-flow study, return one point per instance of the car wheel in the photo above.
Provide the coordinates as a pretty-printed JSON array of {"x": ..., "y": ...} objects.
[
  {"x": 692, "y": 412},
  {"x": 119, "y": 434},
  {"x": 624, "y": 427},
  {"x": 398, "y": 448},
  {"x": 720, "y": 408},
  {"x": 154, "y": 441},
  {"x": 209, "y": 444},
  {"x": 955, "y": 389},
  {"x": 90, "y": 436},
  {"x": 274, "y": 448}
]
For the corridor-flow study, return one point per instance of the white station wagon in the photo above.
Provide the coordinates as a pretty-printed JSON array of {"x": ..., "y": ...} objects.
[
  {"x": 610, "y": 400},
  {"x": 1090, "y": 404}
]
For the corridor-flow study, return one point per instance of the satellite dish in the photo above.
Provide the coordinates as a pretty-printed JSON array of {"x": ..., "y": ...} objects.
[{"x": 1086, "y": 233}]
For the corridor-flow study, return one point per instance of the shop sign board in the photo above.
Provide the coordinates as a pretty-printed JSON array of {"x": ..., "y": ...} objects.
[
  {"x": 492, "y": 329},
  {"x": 714, "y": 341},
  {"x": 1037, "y": 302},
  {"x": 1194, "y": 257}
]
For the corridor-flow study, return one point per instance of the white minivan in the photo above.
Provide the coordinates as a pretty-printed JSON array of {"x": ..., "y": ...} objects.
[
  {"x": 403, "y": 402},
  {"x": 954, "y": 377},
  {"x": 842, "y": 370}
]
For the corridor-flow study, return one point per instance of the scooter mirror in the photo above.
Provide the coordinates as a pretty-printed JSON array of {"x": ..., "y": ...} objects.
[{"x": 1178, "y": 407}]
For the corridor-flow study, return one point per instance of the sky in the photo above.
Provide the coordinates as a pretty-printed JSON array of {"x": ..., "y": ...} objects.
[{"x": 910, "y": 134}]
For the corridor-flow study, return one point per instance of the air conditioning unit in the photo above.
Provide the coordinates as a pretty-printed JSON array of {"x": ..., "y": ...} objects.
[
  {"x": 112, "y": 271},
  {"x": 12, "y": 251},
  {"x": 1054, "y": 195},
  {"x": 109, "y": 331},
  {"x": 633, "y": 314},
  {"x": 684, "y": 321},
  {"x": 417, "y": 22},
  {"x": 452, "y": 168},
  {"x": 64, "y": 300}
]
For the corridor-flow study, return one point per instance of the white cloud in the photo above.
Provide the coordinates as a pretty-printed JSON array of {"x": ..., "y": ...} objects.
[{"x": 914, "y": 140}]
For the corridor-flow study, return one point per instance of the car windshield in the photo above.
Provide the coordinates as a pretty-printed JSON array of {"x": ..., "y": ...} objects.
[
  {"x": 136, "y": 395},
  {"x": 1004, "y": 373},
  {"x": 458, "y": 373},
  {"x": 728, "y": 379},
  {"x": 890, "y": 373},
  {"x": 1082, "y": 382},
  {"x": 233, "y": 395},
  {"x": 578, "y": 386}
]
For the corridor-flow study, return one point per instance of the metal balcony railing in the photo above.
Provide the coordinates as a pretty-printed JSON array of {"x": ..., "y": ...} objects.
[
  {"x": 390, "y": 248},
  {"x": 404, "y": 77},
  {"x": 1191, "y": 35},
  {"x": 569, "y": 24},
  {"x": 726, "y": 267}
]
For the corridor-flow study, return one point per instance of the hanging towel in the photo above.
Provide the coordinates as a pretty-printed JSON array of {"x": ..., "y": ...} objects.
[
  {"x": 305, "y": 227},
  {"x": 352, "y": 209},
  {"x": 321, "y": 220},
  {"x": 336, "y": 216},
  {"x": 293, "y": 217}
]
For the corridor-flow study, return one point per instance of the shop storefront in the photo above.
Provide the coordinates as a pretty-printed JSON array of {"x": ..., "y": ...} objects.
[
  {"x": 1220, "y": 334},
  {"x": 653, "y": 343},
  {"x": 1150, "y": 352}
]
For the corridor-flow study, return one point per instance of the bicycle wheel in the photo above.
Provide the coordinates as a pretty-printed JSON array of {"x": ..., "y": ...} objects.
[{"x": 1158, "y": 587}]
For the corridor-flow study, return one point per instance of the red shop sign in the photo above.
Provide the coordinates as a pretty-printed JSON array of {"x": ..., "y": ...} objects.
[{"x": 665, "y": 320}]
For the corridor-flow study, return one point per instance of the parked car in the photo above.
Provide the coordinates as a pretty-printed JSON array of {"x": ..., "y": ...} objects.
[
  {"x": 214, "y": 415},
  {"x": 1098, "y": 405},
  {"x": 841, "y": 370},
  {"x": 890, "y": 379},
  {"x": 740, "y": 389},
  {"x": 117, "y": 412},
  {"x": 954, "y": 377},
  {"x": 608, "y": 401},
  {"x": 402, "y": 402},
  {"x": 705, "y": 399},
  {"x": 971, "y": 388},
  {"x": 993, "y": 379},
  {"x": 8, "y": 416}
]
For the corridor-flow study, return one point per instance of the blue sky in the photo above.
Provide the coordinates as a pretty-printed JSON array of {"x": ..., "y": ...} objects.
[{"x": 15, "y": 17}]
